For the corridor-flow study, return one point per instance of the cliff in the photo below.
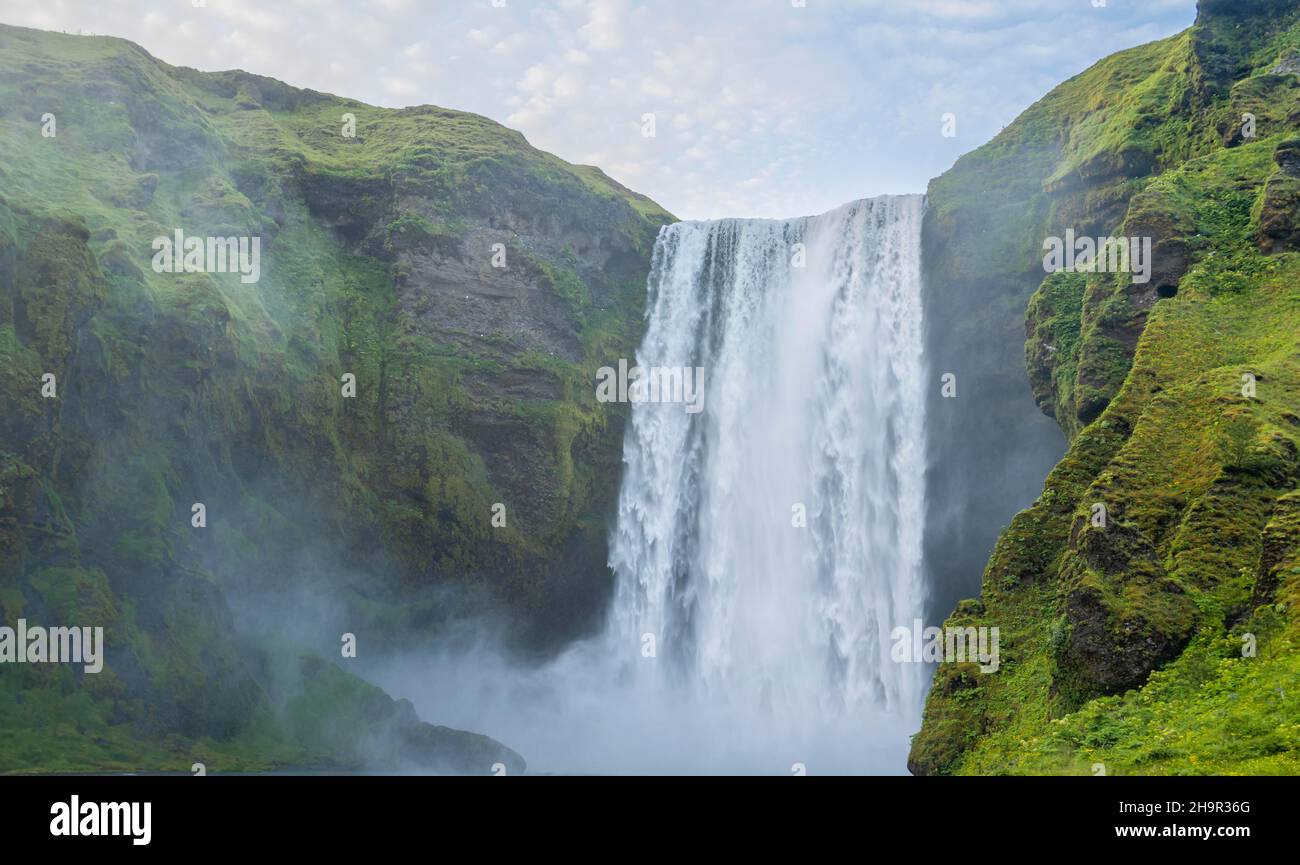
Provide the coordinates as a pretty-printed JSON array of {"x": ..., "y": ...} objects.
[
  {"x": 1146, "y": 599},
  {"x": 464, "y": 285}
]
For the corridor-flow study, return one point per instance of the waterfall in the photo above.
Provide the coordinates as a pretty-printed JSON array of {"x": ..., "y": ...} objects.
[
  {"x": 767, "y": 545},
  {"x": 768, "y": 538}
]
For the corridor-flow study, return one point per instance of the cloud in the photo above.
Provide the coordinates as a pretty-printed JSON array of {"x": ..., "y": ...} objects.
[
  {"x": 604, "y": 28},
  {"x": 398, "y": 86},
  {"x": 762, "y": 109}
]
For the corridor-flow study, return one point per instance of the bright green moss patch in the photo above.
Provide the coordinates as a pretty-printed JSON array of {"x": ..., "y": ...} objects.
[{"x": 1211, "y": 712}]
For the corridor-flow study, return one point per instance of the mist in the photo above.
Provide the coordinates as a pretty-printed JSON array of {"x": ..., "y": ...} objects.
[{"x": 582, "y": 714}]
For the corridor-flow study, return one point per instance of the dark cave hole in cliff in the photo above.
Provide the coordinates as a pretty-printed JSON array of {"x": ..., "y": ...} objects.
[
  {"x": 350, "y": 233},
  {"x": 1167, "y": 290}
]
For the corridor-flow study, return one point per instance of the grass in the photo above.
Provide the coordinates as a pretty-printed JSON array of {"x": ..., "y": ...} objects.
[
  {"x": 1126, "y": 645},
  {"x": 177, "y": 388},
  {"x": 1171, "y": 458}
]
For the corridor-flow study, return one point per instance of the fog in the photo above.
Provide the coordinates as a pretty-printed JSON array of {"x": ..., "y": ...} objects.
[{"x": 581, "y": 714}]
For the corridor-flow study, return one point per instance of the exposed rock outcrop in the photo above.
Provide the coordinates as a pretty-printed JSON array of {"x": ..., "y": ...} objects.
[{"x": 1279, "y": 216}]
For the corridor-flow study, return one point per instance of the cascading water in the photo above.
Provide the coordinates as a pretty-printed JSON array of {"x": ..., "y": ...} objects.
[
  {"x": 770, "y": 542},
  {"x": 767, "y": 545}
]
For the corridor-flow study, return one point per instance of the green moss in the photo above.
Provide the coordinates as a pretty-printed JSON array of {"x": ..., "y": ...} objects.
[
  {"x": 1122, "y": 644},
  {"x": 568, "y": 285},
  {"x": 184, "y": 388},
  {"x": 1055, "y": 311}
]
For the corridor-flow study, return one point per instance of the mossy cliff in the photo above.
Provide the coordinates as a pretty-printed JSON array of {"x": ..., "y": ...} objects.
[
  {"x": 471, "y": 284},
  {"x": 1146, "y": 600}
]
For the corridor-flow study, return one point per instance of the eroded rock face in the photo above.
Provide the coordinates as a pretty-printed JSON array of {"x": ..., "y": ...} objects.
[
  {"x": 1123, "y": 615},
  {"x": 1111, "y": 649},
  {"x": 1089, "y": 324},
  {"x": 1279, "y": 217},
  {"x": 942, "y": 740},
  {"x": 1281, "y": 550},
  {"x": 1288, "y": 65}
]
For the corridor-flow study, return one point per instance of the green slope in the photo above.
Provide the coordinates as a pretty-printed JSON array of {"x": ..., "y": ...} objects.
[
  {"x": 369, "y": 515},
  {"x": 1164, "y": 640}
]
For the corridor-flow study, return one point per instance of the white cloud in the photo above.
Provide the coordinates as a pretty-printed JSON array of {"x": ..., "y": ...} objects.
[
  {"x": 604, "y": 28},
  {"x": 398, "y": 86},
  {"x": 763, "y": 109},
  {"x": 535, "y": 79}
]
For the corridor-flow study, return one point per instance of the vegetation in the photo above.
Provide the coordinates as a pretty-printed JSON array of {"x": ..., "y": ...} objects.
[
  {"x": 473, "y": 387},
  {"x": 1162, "y": 640}
]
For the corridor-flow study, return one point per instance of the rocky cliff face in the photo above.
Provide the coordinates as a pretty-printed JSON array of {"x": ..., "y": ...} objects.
[
  {"x": 416, "y": 358},
  {"x": 1145, "y": 600}
]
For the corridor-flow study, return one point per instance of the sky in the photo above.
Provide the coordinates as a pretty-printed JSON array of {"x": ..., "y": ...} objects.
[{"x": 760, "y": 108}]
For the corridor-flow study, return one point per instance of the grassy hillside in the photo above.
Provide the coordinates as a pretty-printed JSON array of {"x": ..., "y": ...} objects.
[
  {"x": 1161, "y": 639},
  {"x": 326, "y": 513}
]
